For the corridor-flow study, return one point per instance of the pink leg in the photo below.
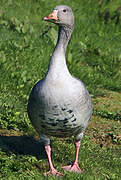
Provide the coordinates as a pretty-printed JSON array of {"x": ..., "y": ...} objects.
[
  {"x": 52, "y": 171},
  {"x": 75, "y": 166}
]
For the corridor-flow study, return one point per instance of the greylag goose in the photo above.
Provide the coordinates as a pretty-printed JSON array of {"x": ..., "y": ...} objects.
[{"x": 60, "y": 105}]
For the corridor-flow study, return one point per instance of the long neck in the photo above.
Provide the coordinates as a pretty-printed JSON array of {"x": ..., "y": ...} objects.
[
  {"x": 64, "y": 36},
  {"x": 58, "y": 62}
]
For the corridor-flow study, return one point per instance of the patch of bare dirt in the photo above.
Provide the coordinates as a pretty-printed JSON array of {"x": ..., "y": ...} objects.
[{"x": 106, "y": 133}]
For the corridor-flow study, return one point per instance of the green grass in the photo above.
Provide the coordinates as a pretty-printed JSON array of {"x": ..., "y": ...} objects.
[{"x": 93, "y": 55}]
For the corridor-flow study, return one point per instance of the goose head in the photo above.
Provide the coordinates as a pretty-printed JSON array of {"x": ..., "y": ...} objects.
[{"x": 62, "y": 15}]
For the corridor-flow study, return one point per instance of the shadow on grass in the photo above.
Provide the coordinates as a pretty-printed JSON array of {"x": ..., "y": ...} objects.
[{"x": 22, "y": 145}]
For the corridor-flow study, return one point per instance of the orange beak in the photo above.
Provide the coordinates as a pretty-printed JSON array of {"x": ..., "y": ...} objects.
[{"x": 52, "y": 16}]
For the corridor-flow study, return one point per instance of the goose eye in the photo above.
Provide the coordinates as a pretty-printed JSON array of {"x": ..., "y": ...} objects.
[{"x": 64, "y": 10}]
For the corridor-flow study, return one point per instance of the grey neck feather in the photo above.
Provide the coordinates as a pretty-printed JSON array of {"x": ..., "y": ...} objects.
[
  {"x": 58, "y": 62},
  {"x": 64, "y": 36}
]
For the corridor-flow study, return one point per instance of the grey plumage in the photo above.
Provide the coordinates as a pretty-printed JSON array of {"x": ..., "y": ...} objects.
[{"x": 59, "y": 104}]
